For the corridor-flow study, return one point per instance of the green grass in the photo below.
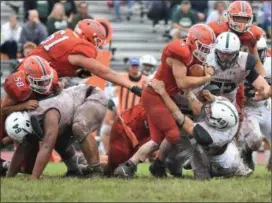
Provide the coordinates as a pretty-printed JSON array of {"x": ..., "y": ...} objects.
[{"x": 256, "y": 188}]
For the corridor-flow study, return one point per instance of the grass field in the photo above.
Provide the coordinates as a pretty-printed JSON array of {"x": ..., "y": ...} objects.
[{"x": 256, "y": 188}]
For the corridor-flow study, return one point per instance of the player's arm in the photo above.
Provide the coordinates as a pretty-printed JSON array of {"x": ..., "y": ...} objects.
[
  {"x": 9, "y": 105},
  {"x": 20, "y": 154},
  {"x": 180, "y": 73},
  {"x": 186, "y": 123},
  {"x": 51, "y": 127},
  {"x": 100, "y": 70},
  {"x": 257, "y": 81},
  {"x": 259, "y": 65}
]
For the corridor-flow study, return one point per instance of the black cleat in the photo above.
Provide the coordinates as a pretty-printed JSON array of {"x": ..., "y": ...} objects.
[
  {"x": 125, "y": 170},
  {"x": 248, "y": 159},
  {"x": 158, "y": 169}
]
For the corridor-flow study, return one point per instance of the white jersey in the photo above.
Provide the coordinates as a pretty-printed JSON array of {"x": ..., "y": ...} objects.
[
  {"x": 67, "y": 102},
  {"x": 229, "y": 80}
]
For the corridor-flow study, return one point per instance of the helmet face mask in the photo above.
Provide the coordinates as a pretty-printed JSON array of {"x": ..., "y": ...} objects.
[
  {"x": 40, "y": 85},
  {"x": 226, "y": 60},
  {"x": 202, "y": 50},
  {"x": 147, "y": 69}
]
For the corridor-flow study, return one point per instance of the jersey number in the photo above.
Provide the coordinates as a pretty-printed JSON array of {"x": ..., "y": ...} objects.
[
  {"x": 227, "y": 87},
  {"x": 19, "y": 82},
  {"x": 48, "y": 46}
]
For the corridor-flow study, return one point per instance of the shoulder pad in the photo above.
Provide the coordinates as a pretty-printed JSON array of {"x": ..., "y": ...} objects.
[{"x": 85, "y": 48}]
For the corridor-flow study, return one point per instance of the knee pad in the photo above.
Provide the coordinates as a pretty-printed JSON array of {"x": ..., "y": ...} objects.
[
  {"x": 254, "y": 141},
  {"x": 80, "y": 130},
  {"x": 105, "y": 129}
]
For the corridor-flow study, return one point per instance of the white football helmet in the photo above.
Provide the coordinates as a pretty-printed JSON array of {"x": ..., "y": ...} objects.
[
  {"x": 227, "y": 49},
  {"x": 262, "y": 47},
  {"x": 220, "y": 114},
  {"x": 148, "y": 64},
  {"x": 18, "y": 125}
]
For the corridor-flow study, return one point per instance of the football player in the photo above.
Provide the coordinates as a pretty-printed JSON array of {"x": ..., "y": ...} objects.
[
  {"x": 176, "y": 57},
  {"x": 82, "y": 108},
  {"x": 125, "y": 98},
  {"x": 73, "y": 53},
  {"x": 148, "y": 64},
  {"x": 233, "y": 67},
  {"x": 210, "y": 147},
  {"x": 257, "y": 122},
  {"x": 240, "y": 17},
  {"x": 35, "y": 81}
]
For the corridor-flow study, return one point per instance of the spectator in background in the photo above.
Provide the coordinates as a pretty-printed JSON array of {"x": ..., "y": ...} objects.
[
  {"x": 57, "y": 19},
  {"x": 69, "y": 7},
  {"x": 182, "y": 19},
  {"x": 157, "y": 11},
  {"x": 267, "y": 18},
  {"x": 83, "y": 14},
  {"x": 117, "y": 9},
  {"x": 29, "y": 5},
  {"x": 218, "y": 14},
  {"x": 33, "y": 30},
  {"x": 201, "y": 7},
  {"x": 10, "y": 35},
  {"x": 27, "y": 48}
]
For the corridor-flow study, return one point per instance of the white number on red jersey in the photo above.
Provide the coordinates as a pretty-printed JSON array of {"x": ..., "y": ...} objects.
[{"x": 51, "y": 41}]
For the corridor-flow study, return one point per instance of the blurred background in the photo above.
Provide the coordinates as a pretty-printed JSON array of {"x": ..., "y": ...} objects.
[{"x": 139, "y": 27}]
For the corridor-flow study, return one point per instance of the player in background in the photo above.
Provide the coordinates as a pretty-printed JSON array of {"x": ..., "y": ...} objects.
[
  {"x": 78, "y": 110},
  {"x": 124, "y": 97},
  {"x": 240, "y": 17},
  {"x": 177, "y": 56},
  {"x": 257, "y": 122},
  {"x": 148, "y": 65}
]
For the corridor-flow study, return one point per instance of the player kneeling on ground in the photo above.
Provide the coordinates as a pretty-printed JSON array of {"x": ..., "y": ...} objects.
[
  {"x": 82, "y": 108},
  {"x": 209, "y": 147}
]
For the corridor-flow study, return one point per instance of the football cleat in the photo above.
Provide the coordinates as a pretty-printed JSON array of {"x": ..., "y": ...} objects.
[
  {"x": 125, "y": 170},
  {"x": 158, "y": 169}
]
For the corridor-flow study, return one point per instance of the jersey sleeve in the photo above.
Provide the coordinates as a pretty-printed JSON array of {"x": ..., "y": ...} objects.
[
  {"x": 250, "y": 66},
  {"x": 85, "y": 49},
  {"x": 179, "y": 50},
  {"x": 16, "y": 87}
]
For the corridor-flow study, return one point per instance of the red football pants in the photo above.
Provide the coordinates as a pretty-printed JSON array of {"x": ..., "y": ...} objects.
[
  {"x": 160, "y": 120},
  {"x": 120, "y": 147}
]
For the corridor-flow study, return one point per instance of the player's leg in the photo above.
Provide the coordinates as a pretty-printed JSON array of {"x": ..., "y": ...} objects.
[
  {"x": 120, "y": 148},
  {"x": 87, "y": 119},
  {"x": 229, "y": 163}
]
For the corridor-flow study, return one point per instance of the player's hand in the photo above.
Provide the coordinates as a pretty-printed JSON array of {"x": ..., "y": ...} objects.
[
  {"x": 60, "y": 86},
  {"x": 31, "y": 104},
  {"x": 208, "y": 96},
  {"x": 209, "y": 71},
  {"x": 260, "y": 94},
  {"x": 158, "y": 86},
  {"x": 136, "y": 90}
]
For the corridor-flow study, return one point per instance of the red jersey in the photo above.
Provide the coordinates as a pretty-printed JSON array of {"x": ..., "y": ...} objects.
[
  {"x": 177, "y": 49},
  {"x": 269, "y": 52},
  {"x": 136, "y": 119},
  {"x": 248, "y": 39},
  {"x": 18, "y": 89},
  {"x": 58, "y": 46}
]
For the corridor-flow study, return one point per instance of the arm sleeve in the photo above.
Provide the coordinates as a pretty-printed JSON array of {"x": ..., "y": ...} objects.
[
  {"x": 202, "y": 136},
  {"x": 250, "y": 66}
]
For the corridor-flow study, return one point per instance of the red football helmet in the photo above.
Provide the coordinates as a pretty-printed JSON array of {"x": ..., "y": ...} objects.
[
  {"x": 39, "y": 74},
  {"x": 92, "y": 31},
  {"x": 201, "y": 39},
  {"x": 240, "y": 16}
]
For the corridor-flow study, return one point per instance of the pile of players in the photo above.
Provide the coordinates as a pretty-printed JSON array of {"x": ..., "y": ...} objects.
[{"x": 210, "y": 123}]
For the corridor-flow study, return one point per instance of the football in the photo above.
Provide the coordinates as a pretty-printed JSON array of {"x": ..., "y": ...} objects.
[{"x": 196, "y": 70}]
